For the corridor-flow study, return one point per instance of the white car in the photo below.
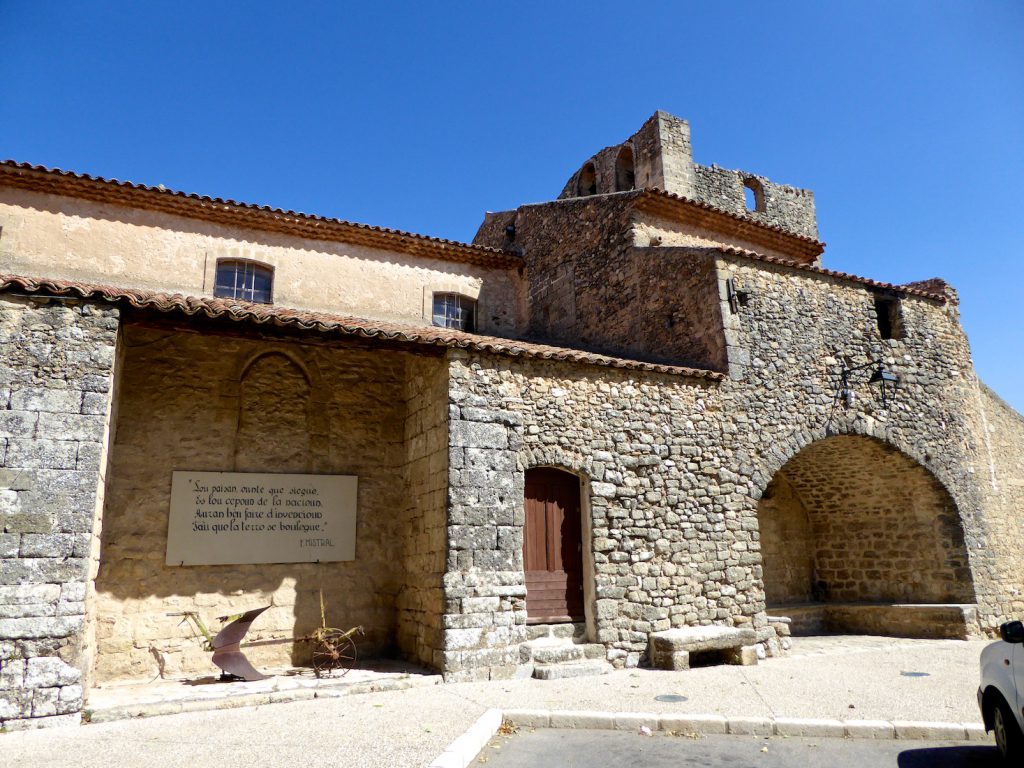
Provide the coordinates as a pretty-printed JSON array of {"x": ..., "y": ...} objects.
[{"x": 1001, "y": 693}]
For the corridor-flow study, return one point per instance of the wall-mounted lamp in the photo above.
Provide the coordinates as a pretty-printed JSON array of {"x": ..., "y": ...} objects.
[
  {"x": 736, "y": 296},
  {"x": 887, "y": 381}
]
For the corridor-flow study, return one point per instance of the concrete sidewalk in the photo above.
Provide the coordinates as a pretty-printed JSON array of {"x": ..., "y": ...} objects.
[{"x": 835, "y": 678}]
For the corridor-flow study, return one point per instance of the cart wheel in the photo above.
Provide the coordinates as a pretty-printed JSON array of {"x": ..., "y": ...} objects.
[{"x": 333, "y": 651}]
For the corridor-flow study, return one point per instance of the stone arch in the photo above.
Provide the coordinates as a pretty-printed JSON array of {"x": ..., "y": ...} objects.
[
  {"x": 625, "y": 175},
  {"x": 587, "y": 181},
  {"x": 275, "y": 394},
  {"x": 852, "y": 519}
]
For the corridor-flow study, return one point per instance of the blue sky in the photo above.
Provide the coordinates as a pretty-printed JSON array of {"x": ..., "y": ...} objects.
[{"x": 905, "y": 118}]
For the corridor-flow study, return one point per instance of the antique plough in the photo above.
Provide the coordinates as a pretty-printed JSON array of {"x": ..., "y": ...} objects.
[{"x": 333, "y": 649}]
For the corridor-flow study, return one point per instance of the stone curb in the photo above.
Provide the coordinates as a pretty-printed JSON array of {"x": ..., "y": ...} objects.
[
  {"x": 461, "y": 752},
  {"x": 747, "y": 726},
  {"x": 157, "y": 708}
]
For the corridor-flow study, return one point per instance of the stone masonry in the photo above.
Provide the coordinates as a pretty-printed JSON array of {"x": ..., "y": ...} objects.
[
  {"x": 55, "y": 396},
  {"x": 667, "y": 337}
]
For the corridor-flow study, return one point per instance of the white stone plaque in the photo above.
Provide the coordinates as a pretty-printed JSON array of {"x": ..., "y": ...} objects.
[{"x": 226, "y": 518}]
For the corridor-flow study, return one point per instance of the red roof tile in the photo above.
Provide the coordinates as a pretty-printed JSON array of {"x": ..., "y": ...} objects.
[
  {"x": 266, "y": 314},
  {"x": 82, "y": 185}
]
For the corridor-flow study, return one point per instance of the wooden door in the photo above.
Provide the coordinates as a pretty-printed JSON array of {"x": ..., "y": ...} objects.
[{"x": 553, "y": 547}]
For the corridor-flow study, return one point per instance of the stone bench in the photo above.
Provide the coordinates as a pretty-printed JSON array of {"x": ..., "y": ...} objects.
[{"x": 671, "y": 648}]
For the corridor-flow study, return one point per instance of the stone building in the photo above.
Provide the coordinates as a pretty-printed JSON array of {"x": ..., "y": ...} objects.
[{"x": 643, "y": 405}]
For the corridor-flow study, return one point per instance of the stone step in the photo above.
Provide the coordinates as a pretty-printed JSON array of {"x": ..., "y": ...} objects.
[
  {"x": 558, "y": 651},
  {"x": 585, "y": 668}
]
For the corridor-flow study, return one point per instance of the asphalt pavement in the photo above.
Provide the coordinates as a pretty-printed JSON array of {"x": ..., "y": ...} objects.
[{"x": 616, "y": 749}]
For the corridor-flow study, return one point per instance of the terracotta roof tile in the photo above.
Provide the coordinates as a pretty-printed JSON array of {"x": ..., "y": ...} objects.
[
  {"x": 266, "y": 314},
  {"x": 82, "y": 185},
  {"x": 929, "y": 289}
]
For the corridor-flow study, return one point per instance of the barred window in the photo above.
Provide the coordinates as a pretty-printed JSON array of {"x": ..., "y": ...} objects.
[
  {"x": 453, "y": 310},
  {"x": 245, "y": 280}
]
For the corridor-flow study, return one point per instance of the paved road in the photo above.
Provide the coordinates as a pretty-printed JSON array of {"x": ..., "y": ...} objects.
[{"x": 615, "y": 749}]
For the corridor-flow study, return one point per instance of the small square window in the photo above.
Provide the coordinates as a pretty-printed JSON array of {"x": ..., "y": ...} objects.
[
  {"x": 245, "y": 280},
  {"x": 889, "y": 314},
  {"x": 453, "y": 310}
]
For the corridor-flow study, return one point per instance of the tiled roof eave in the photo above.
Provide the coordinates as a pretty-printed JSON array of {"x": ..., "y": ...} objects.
[
  {"x": 230, "y": 212},
  {"x": 906, "y": 290},
  {"x": 261, "y": 314}
]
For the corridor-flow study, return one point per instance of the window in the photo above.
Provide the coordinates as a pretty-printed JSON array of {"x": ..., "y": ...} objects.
[
  {"x": 245, "y": 280},
  {"x": 453, "y": 310},
  {"x": 625, "y": 178},
  {"x": 753, "y": 194},
  {"x": 588, "y": 180},
  {"x": 889, "y": 313}
]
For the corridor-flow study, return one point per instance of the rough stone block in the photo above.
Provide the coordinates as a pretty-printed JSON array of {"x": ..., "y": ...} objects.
[
  {"x": 17, "y": 423},
  {"x": 10, "y": 544},
  {"x": 46, "y": 545},
  {"x": 671, "y": 649},
  {"x": 47, "y": 400},
  {"x": 477, "y": 435},
  {"x": 61, "y": 626},
  {"x": 72, "y": 426},
  {"x": 41, "y": 454},
  {"x": 49, "y": 672},
  {"x": 44, "y": 702}
]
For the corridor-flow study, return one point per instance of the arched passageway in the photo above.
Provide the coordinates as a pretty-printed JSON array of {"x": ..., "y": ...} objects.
[{"x": 857, "y": 536}]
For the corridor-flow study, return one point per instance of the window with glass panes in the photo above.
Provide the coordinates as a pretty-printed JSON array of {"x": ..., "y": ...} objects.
[
  {"x": 453, "y": 310},
  {"x": 245, "y": 280}
]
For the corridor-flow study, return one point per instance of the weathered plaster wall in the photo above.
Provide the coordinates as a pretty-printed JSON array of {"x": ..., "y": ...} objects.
[
  {"x": 224, "y": 403},
  {"x": 55, "y": 394},
  {"x": 652, "y": 230},
  {"x": 424, "y": 528},
  {"x": 62, "y": 237}
]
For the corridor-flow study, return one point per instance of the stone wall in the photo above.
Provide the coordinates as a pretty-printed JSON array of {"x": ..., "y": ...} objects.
[
  {"x": 1002, "y": 431},
  {"x": 55, "y": 393},
  {"x": 780, "y": 205},
  {"x": 424, "y": 529},
  {"x": 675, "y": 468},
  {"x": 485, "y": 614},
  {"x": 663, "y": 157},
  {"x": 879, "y": 528},
  {"x": 787, "y": 349},
  {"x": 563, "y": 244},
  {"x": 787, "y": 544},
  {"x": 226, "y": 403},
  {"x": 673, "y": 541}
]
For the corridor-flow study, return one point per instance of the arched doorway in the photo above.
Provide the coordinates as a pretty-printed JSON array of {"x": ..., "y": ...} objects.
[
  {"x": 553, "y": 547},
  {"x": 857, "y": 536}
]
